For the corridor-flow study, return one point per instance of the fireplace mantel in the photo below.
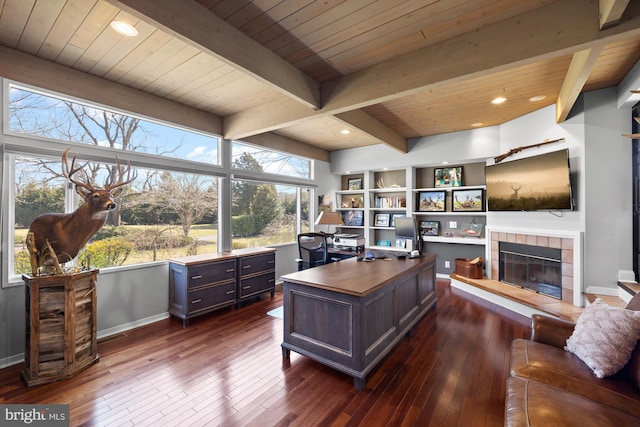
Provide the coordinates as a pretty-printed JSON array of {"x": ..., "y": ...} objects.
[{"x": 570, "y": 242}]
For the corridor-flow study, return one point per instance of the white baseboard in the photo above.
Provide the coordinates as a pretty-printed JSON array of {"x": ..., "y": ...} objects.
[
  {"x": 132, "y": 325},
  {"x": 602, "y": 291},
  {"x": 11, "y": 360},
  {"x": 18, "y": 358}
]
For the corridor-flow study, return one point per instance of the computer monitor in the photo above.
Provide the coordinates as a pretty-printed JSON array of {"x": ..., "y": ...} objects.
[{"x": 407, "y": 228}]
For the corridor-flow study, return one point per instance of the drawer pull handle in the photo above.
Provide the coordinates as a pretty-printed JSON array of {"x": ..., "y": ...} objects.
[
  {"x": 272, "y": 262},
  {"x": 231, "y": 292},
  {"x": 195, "y": 301},
  {"x": 246, "y": 287},
  {"x": 246, "y": 266},
  {"x": 199, "y": 276},
  {"x": 272, "y": 280},
  {"x": 231, "y": 270}
]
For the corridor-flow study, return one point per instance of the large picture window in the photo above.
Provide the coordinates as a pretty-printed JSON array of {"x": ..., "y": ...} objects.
[
  {"x": 159, "y": 216},
  {"x": 266, "y": 214},
  {"x": 50, "y": 117},
  {"x": 172, "y": 207}
]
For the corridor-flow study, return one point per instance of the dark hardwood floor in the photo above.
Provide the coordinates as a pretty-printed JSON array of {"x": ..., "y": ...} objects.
[{"x": 227, "y": 369}]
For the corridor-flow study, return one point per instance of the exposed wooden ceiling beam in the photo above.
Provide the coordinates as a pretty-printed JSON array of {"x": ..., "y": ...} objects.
[
  {"x": 581, "y": 65},
  {"x": 475, "y": 54},
  {"x": 365, "y": 123},
  {"x": 611, "y": 11},
  {"x": 34, "y": 71},
  {"x": 194, "y": 24}
]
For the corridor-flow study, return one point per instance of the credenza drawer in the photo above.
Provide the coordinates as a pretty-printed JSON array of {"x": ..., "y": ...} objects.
[
  {"x": 214, "y": 272},
  {"x": 257, "y": 284},
  {"x": 212, "y": 296},
  {"x": 256, "y": 264}
]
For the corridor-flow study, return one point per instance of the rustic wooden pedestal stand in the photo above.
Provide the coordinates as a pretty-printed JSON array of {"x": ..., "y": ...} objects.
[{"x": 60, "y": 326}]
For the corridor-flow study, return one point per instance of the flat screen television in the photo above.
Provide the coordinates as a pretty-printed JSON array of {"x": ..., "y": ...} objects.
[
  {"x": 406, "y": 227},
  {"x": 537, "y": 183}
]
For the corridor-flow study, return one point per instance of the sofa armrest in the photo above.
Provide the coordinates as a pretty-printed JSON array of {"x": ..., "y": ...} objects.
[{"x": 551, "y": 331}]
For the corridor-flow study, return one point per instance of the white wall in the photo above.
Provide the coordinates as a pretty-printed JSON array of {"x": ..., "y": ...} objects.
[
  {"x": 458, "y": 147},
  {"x": 609, "y": 197}
]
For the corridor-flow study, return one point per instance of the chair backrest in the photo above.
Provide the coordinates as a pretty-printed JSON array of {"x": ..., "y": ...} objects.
[{"x": 312, "y": 248}]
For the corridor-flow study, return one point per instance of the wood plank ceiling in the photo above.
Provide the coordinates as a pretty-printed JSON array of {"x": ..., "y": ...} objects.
[{"x": 292, "y": 75}]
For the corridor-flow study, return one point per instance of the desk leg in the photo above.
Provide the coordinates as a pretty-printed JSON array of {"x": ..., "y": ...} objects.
[
  {"x": 286, "y": 353},
  {"x": 359, "y": 383}
]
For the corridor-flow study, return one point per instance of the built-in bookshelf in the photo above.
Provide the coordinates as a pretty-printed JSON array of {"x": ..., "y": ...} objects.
[{"x": 378, "y": 197}]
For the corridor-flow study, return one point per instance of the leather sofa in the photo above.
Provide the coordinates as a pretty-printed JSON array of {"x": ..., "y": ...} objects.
[{"x": 549, "y": 386}]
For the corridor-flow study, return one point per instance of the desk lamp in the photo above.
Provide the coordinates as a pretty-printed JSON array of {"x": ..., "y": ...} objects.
[{"x": 328, "y": 219}]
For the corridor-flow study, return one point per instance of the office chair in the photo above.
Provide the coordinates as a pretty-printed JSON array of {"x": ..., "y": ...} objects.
[{"x": 312, "y": 249}]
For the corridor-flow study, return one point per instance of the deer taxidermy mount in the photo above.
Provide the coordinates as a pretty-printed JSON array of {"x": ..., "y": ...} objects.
[{"x": 55, "y": 238}]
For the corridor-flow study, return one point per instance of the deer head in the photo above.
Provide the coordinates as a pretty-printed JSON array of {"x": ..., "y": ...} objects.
[{"x": 68, "y": 233}]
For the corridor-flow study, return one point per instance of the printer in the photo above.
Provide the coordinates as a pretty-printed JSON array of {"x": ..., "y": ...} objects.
[{"x": 351, "y": 241}]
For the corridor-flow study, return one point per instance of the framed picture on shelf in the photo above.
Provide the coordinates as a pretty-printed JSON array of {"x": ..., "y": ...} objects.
[
  {"x": 431, "y": 201},
  {"x": 381, "y": 220},
  {"x": 354, "y": 183},
  {"x": 353, "y": 218},
  {"x": 393, "y": 218},
  {"x": 400, "y": 243},
  {"x": 467, "y": 200},
  {"x": 384, "y": 242},
  {"x": 448, "y": 177},
  {"x": 430, "y": 228}
]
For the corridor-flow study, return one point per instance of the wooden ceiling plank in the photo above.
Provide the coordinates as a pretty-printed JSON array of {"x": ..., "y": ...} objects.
[
  {"x": 474, "y": 54},
  {"x": 581, "y": 65},
  {"x": 611, "y": 11},
  {"x": 137, "y": 56},
  {"x": 70, "y": 18},
  {"x": 376, "y": 129},
  {"x": 122, "y": 47},
  {"x": 195, "y": 25},
  {"x": 14, "y": 17},
  {"x": 41, "y": 20}
]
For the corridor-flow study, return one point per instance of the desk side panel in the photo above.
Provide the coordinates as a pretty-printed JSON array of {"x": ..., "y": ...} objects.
[{"x": 322, "y": 323}]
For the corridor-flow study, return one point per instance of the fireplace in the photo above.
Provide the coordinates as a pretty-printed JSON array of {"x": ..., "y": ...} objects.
[
  {"x": 531, "y": 267},
  {"x": 569, "y": 243}
]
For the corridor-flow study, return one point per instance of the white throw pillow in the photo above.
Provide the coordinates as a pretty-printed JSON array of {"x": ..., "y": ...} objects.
[{"x": 604, "y": 337}]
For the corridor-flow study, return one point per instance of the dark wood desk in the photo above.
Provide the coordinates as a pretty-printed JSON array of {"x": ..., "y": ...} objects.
[{"x": 349, "y": 314}]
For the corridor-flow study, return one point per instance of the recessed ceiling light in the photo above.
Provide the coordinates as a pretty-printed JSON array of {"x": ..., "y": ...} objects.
[
  {"x": 445, "y": 163},
  {"x": 476, "y": 125},
  {"x": 124, "y": 28},
  {"x": 537, "y": 98},
  {"x": 499, "y": 100},
  {"x": 345, "y": 131}
]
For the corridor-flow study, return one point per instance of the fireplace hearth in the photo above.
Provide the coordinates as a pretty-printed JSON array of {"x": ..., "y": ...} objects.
[{"x": 531, "y": 267}]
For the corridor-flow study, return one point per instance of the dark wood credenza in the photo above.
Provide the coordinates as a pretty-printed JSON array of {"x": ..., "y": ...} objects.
[
  {"x": 348, "y": 315},
  {"x": 200, "y": 284}
]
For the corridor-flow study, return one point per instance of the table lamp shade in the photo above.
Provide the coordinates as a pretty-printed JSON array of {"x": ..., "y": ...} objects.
[{"x": 329, "y": 218}]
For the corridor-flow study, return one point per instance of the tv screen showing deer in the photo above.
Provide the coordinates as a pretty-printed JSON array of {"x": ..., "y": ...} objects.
[{"x": 535, "y": 183}]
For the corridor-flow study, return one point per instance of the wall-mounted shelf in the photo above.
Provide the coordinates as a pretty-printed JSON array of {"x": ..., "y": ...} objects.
[{"x": 455, "y": 240}]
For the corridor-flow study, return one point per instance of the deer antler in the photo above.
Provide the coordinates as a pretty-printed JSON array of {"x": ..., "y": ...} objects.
[
  {"x": 69, "y": 171},
  {"x": 110, "y": 185}
]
